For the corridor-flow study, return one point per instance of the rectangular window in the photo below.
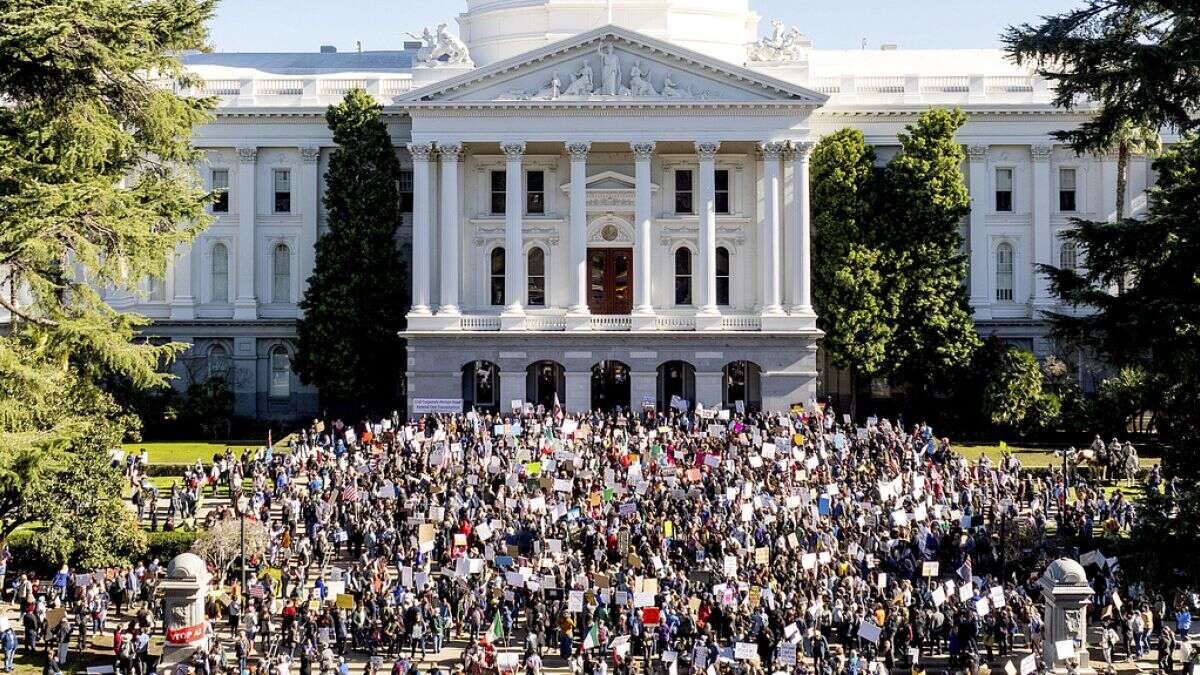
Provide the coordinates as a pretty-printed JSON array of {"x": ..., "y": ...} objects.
[
  {"x": 1004, "y": 186},
  {"x": 220, "y": 186},
  {"x": 1066, "y": 190},
  {"x": 404, "y": 186},
  {"x": 283, "y": 191},
  {"x": 684, "y": 192},
  {"x": 535, "y": 192},
  {"x": 499, "y": 192},
  {"x": 722, "y": 192}
]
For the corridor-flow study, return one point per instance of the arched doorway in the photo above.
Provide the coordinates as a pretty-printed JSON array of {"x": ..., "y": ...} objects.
[
  {"x": 481, "y": 386},
  {"x": 543, "y": 381},
  {"x": 741, "y": 383},
  {"x": 610, "y": 386},
  {"x": 676, "y": 380}
]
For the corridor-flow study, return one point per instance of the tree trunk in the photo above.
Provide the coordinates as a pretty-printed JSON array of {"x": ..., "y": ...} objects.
[
  {"x": 853, "y": 395},
  {"x": 1122, "y": 177}
]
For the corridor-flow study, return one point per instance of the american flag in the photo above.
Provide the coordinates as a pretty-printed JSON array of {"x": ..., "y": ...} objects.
[
  {"x": 350, "y": 493},
  {"x": 256, "y": 590}
]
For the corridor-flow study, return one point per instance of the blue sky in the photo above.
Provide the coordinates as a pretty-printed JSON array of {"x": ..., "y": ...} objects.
[{"x": 304, "y": 25}]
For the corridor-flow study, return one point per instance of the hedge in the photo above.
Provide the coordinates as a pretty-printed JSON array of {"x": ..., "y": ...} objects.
[{"x": 27, "y": 558}]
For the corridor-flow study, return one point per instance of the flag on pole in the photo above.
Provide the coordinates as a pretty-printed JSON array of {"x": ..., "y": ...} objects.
[
  {"x": 495, "y": 632},
  {"x": 557, "y": 406},
  {"x": 350, "y": 493},
  {"x": 270, "y": 443},
  {"x": 592, "y": 639}
]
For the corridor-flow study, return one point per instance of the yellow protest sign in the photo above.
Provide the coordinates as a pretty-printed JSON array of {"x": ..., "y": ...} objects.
[
  {"x": 668, "y": 528},
  {"x": 345, "y": 601}
]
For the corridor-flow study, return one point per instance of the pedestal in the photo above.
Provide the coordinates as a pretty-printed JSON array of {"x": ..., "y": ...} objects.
[
  {"x": 183, "y": 596},
  {"x": 1067, "y": 594}
]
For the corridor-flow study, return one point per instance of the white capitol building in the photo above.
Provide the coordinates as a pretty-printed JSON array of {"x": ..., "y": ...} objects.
[{"x": 609, "y": 201}]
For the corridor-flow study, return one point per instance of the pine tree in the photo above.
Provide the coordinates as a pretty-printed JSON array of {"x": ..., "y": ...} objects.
[
  {"x": 97, "y": 188},
  {"x": 849, "y": 293},
  {"x": 923, "y": 205},
  {"x": 1153, "y": 327},
  {"x": 1138, "y": 59},
  {"x": 354, "y": 308}
]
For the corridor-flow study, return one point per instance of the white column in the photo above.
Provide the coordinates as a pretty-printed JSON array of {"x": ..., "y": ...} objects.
[
  {"x": 771, "y": 296},
  {"x": 977, "y": 158},
  {"x": 450, "y": 153},
  {"x": 514, "y": 210},
  {"x": 577, "y": 271},
  {"x": 1108, "y": 186},
  {"x": 707, "y": 209},
  {"x": 421, "y": 237},
  {"x": 800, "y": 232},
  {"x": 183, "y": 307},
  {"x": 1042, "y": 241},
  {"x": 245, "y": 305},
  {"x": 643, "y": 270},
  {"x": 310, "y": 200}
]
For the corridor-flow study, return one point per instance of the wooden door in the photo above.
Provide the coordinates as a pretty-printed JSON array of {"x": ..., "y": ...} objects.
[{"x": 610, "y": 280}]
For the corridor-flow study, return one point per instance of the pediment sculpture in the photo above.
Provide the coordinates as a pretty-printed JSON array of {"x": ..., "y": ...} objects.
[
  {"x": 784, "y": 45},
  {"x": 612, "y": 80},
  {"x": 442, "y": 49}
]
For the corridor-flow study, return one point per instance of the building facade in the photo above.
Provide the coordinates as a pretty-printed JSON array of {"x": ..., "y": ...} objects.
[{"x": 607, "y": 202}]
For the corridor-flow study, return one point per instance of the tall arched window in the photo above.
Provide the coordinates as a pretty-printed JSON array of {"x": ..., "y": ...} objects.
[
  {"x": 281, "y": 373},
  {"x": 496, "y": 277},
  {"x": 218, "y": 363},
  {"x": 1068, "y": 256},
  {"x": 155, "y": 288},
  {"x": 1004, "y": 272},
  {"x": 281, "y": 286},
  {"x": 537, "y": 277},
  {"x": 683, "y": 276},
  {"x": 722, "y": 276},
  {"x": 220, "y": 273}
]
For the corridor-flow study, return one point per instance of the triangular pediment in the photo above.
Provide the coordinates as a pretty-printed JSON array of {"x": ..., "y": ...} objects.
[
  {"x": 609, "y": 181},
  {"x": 612, "y": 65}
]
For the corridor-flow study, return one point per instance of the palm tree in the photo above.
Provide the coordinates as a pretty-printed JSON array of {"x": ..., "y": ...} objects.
[{"x": 1131, "y": 139}]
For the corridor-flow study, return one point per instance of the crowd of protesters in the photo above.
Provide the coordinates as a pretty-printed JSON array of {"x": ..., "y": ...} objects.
[{"x": 701, "y": 541}]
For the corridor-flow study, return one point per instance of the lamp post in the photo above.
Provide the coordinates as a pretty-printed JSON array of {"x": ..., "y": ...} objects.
[{"x": 241, "y": 509}]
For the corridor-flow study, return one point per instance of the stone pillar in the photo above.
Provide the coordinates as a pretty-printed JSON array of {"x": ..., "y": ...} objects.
[
  {"x": 183, "y": 302},
  {"x": 800, "y": 232},
  {"x": 184, "y": 592},
  {"x": 707, "y": 209},
  {"x": 771, "y": 296},
  {"x": 245, "y": 377},
  {"x": 421, "y": 236},
  {"x": 578, "y": 396},
  {"x": 977, "y": 157},
  {"x": 577, "y": 270},
  {"x": 708, "y": 388},
  {"x": 514, "y": 239},
  {"x": 1042, "y": 241},
  {"x": 641, "y": 386},
  {"x": 643, "y": 269},
  {"x": 245, "y": 305},
  {"x": 450, "y": 235},
  {"x": 1067, "y": 594},
  {"x": 310, "y": 205}
]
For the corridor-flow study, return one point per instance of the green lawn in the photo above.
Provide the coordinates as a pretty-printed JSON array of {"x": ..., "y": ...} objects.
[
  {"x": 1030, "y": 457},
  {"x": 187, "y": 452}
]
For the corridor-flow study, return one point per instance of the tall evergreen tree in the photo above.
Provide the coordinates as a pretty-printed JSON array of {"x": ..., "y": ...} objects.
[
  {"x": 356, "y": 300},
  {"x": 96, "y": 177},
  {"x": 1153, "y": 327},
  {"x": 923, "y": 205},
  {"x": 849, "y": 293},
  {"x": 1138, "y": 59}
]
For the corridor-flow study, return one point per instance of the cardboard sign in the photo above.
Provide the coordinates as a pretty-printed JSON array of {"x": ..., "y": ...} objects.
[
  {"x": 651, "y": 616},
  {"x": 869, "y": 631},
  {"x": 787, "y": 653},
  {"x": 745, "y": 651},
  {"x": 345, "y": 601}
]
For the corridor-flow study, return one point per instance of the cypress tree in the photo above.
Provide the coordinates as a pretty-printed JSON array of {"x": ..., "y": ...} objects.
[{"x": 357, "y": 297}]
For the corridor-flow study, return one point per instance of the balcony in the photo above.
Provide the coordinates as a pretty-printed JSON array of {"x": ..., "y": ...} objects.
[{"x": 595, "y": 323}]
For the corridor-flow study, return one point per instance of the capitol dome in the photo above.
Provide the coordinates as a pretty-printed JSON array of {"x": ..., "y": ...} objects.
[{"x": 495, "y": 30}]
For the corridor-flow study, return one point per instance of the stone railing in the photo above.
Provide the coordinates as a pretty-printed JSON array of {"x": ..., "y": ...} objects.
[
  {"x": 479, "y": 323},
  {"x": 675, "y": 323},
  {"x": 741, "y": 323},
  {"x": 298, "y": 91},
  {"x": 866, "y": 89},
  {"x": 927, "y": 89},
  {"x": 555, "y": 323},
  {"x": 611, "y": 322}
]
